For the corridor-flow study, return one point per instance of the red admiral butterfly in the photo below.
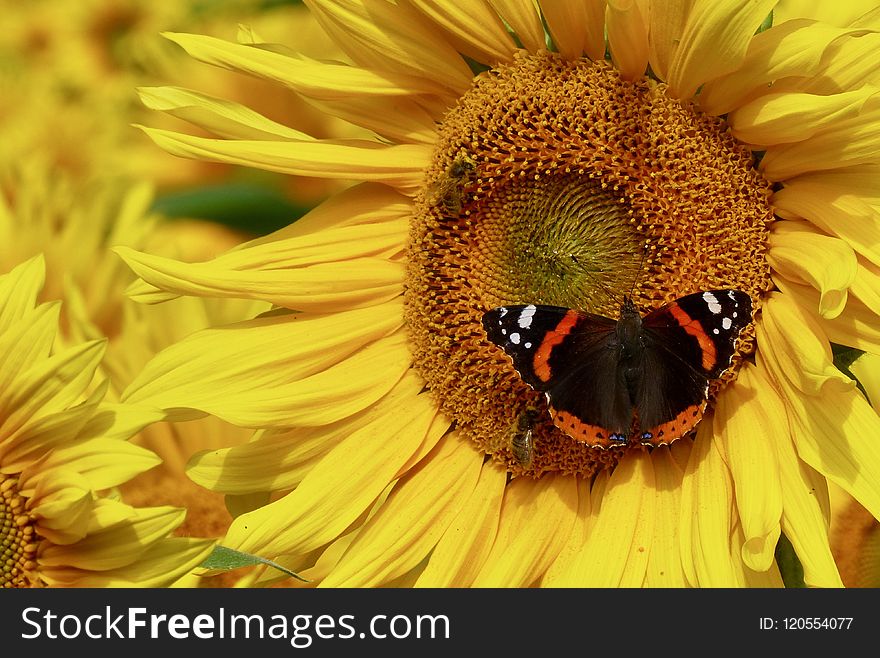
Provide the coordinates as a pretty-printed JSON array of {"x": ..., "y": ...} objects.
[{"x": 609, "y": 382}]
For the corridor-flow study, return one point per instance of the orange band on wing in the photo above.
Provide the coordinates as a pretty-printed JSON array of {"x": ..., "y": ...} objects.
[
  {"x": 675, "y": 428},
  {"x": 552, "y": 339},
  {"x": 695, "y": 329},
  {"x": 593, "y": 435}
]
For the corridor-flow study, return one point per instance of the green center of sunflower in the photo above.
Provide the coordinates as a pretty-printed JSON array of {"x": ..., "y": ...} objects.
[
  {"x": 557, "y": 182},
  {"x": 18, "y": 541}
]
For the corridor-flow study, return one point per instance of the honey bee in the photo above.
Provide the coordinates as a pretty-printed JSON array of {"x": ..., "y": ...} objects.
[
  {"x": 521, "y": 439},
  {"x": 448, "y": 190}
]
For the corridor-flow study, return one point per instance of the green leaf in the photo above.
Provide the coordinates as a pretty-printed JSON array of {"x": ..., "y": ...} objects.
[
  {"x": 789, "y": 564},
  {"x": 843, "y": 358},
  {"x": 253, "y": 208},
  {"x": 226, "y": 559},
  {"x": 767, "y": 24}
]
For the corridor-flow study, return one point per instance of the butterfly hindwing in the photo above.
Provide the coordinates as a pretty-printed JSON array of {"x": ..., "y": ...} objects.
[
  {"x": 701, "y": 329},
  {"x": 565, "y": 353}
]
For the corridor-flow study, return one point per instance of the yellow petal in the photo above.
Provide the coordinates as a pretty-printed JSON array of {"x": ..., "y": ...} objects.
[
  {"x": 365, "y": 203},
  {"x": 846, "y": 216},
  {"x": 439, "y": 427},
  {"x": 159, "y": 566},
  {"x": 616, "y": 551},
  {"x": 380, "y": 239},
  {"x": 119, "y": 421},
  {"x": 835, "y": 13},
  {"x": 104, "y": 463},
  {"x": 749, "y": 418},
  {"x": 311, "y": 78},
  {"x": 564, "y": 570},
  {"x": 794, "y": 50},
  {"x": 850, "y": 141},
  {"x": 627, "y": 37},
  {"x": 664, "y": 567},
  {"x": 835, "y": 434},
  {"x": 19, "y": 289},
  {"x": 317, "y": 288},
  {"x": 867, "y": 370},
  {"x": 277, "y": 459},
  {"x": 803, "y": 521},
  {"x": 794, "y": 117},
  {"x": 858, "y": 327},
  {"x": 27, "y": 341},
  {"x": 666, "y": 21},
  {"x": 475, "y": 30},
  {"x": 848, "y": 64},
  {"x": 760, "y": 579},
  {"x": 535, "y": 522},
  {"x": 205, "y": 371},
  {"x": 221, "y": 117},
  {"x": 860, "y": 181},
  {"x": 576, "y": 27},
  {"x": 394, "y": 38},
  {"x": 715, "y": 40},
  {"x": 320, "y": 399},
  {"x": 399, "y": 165},
  {"x": 61, "y": 502},
  {"x": 344, "y": 483},
  {"x": 466, "y": 542},
  {"x": 38, "y": 437},
  {"x": 797, "y": 348},
  {"x": 804, "y": 255},
  {"x": 368, "y": 205},
  {"x": 413, "y": 518},
  {"x": 866, "y": 285},
  {"x": 524, "y": 20},
  {"x": 706, "y": 516},
  {"x": 118, "y": 545},
  {"x": 50, "y": 385}
]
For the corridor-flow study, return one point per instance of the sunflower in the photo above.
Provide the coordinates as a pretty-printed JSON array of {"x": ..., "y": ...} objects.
[
  {"x": 63, "y": 452},
  {"x": 566, "y": 153},
  {"x": 75, "y": 225}
]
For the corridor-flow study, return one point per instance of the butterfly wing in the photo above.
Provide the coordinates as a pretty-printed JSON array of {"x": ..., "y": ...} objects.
[
  {"x": 572, "y": 357},
  {"x": 687, "y": 343}
]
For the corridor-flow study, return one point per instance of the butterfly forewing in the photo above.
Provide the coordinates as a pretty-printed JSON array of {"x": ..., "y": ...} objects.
[{"x": 701, "y": 329}]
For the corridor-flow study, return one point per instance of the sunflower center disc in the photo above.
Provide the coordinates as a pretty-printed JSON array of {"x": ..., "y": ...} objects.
[
  {"x": 557, "y": 182},
  {"x": 18, "y": 542}
]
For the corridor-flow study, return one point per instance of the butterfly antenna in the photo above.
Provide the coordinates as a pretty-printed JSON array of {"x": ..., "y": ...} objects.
[{"x": 638, "y": 271}]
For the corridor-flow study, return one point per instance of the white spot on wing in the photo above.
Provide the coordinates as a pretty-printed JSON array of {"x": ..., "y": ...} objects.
[
  {"x": 503, "y": 311},
  {"x": 715, "y": 331},
  {"x": 712, "y": 301},
  {"x": 727, "y": 323},
  {"x": 528, "y": 346},
  {"x": 525, "y": 318},
  {"x": 514, "y": 338}
]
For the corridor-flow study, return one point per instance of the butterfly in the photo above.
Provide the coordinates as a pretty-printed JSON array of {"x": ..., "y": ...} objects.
[{"x": 635, "y": 379}]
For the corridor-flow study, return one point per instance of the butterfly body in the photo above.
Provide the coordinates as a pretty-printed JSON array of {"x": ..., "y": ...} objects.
[{"x": 635, "y": 379}]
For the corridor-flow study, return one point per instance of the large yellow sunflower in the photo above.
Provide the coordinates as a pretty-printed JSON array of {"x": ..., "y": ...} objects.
[
  {"x": 717, "y": 145},
  {"x": 63, "y": 452},
  {"x": 74, "y": 226}
]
